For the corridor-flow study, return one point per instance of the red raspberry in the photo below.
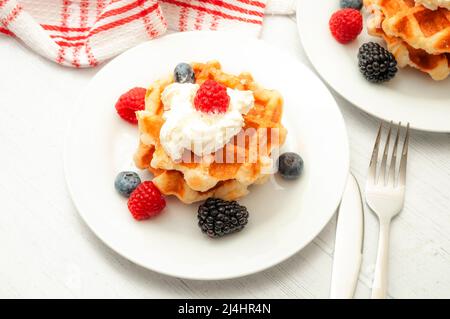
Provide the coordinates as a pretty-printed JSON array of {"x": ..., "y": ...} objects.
[
  {"x": 146, "y": 201},
  {"x": 212, "y": 97},
  {"x": 129, "y": 103},
  {"x": 346, "y": 25}
]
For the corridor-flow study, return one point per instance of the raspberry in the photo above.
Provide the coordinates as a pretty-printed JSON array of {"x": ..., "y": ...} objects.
[
  {"x": 212, "y": 97},
  {"x": 146, "y": 201},
  {"x": 346, "y": 25},
  {"x": 129, "y": 103}
]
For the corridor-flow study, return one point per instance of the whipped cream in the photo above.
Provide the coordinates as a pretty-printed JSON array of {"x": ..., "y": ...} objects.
[
  {"x": 185, "y": 128},
  {"x": 434, "y": 4}
]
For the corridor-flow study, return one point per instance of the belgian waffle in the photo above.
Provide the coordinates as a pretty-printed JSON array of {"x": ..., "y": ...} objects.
[
  {"x": 418, "y": 26},
  {"x": 206, "y": 177},
  {"x": 436, "y": 65}
]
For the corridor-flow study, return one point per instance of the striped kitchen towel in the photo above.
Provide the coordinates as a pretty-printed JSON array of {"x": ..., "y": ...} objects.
[{"x": 83, "y": 33}]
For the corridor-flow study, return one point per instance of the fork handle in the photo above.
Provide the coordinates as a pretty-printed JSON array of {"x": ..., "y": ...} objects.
[{"x": 380, "y": 281}]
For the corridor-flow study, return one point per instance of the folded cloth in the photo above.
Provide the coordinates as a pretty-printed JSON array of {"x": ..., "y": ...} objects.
[{"x": 83, "y": 33}]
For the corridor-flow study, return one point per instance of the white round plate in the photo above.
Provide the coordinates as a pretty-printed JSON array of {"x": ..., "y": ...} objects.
[
  {"x": 412, "y": 96},
  {"x": 284, "y": 216}
]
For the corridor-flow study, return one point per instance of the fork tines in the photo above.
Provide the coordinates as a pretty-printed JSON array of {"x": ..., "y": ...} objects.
[{"x": 378, "y": 174}]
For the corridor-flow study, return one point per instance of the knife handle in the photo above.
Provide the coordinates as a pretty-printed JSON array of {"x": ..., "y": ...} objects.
[{"x": 379, "y": 286}]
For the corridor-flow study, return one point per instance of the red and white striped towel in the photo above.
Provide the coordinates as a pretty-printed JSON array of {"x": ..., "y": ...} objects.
[{"x": 83, "y": 33}]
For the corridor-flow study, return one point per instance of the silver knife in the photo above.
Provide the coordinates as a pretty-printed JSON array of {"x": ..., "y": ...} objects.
[{"x": 349, "y": 243}]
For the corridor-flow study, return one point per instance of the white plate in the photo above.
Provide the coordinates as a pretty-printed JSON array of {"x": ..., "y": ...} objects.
[
  {"x": 284, "y": 217},
  {"x": 412, "y": 96}
]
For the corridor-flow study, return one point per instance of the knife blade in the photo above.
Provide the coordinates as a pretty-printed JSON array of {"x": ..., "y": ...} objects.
[{"x": 349, "y": 243}]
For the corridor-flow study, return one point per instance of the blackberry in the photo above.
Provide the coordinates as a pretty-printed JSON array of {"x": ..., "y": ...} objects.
[
  {"x": 217, "y": 218},
  {"x": 376, "y": 63},
  {"x": 290, "y": 165}
]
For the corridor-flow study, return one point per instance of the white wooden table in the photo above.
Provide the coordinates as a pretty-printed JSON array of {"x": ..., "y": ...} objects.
[{"x": 47, "y": 250}]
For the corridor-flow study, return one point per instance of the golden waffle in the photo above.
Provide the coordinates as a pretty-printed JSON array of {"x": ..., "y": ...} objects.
[
  {"x": 207, "y": 177},
  {"x": 437, "y": 66},
  {"x": 420, "y": 27}
]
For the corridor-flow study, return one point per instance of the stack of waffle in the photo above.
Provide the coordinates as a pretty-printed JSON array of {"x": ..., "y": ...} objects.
[
  {"x": 417, "y": 32},
  {"x": 199, "y": 179}
]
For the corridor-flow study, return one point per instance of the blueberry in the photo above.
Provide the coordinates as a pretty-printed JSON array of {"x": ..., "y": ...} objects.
[
  {"x": 126, "y": 183},
  {"x": 354, "y": 4},
  {"x": 290, "y": 165},
  {"x": 183, "y": 73}
]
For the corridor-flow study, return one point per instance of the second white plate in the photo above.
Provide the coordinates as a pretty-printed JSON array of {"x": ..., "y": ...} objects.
[{"x": 412, "y": 96}]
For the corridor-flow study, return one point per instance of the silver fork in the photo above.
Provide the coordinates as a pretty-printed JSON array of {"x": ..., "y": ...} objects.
[{"x": 385, "y": 195}]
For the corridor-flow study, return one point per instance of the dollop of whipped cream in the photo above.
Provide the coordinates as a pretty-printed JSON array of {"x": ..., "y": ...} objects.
[{"x": 185, "y": 128}]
